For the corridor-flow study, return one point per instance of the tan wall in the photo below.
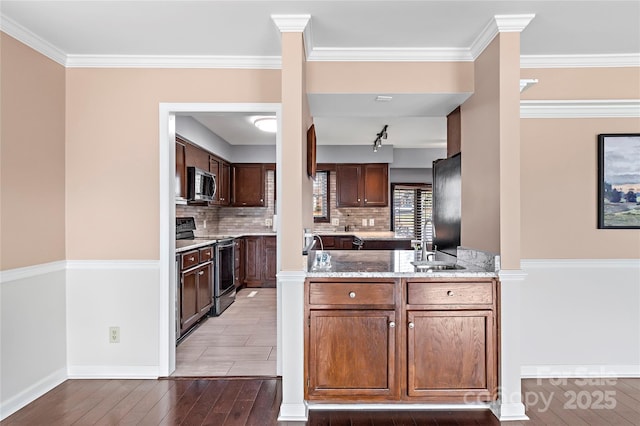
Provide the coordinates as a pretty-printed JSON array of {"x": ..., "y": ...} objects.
[
  {"x": 481, "y": 156},
  {"x": 387, "y": 77},
  {"x": 559, "y": 191},
  {"x": 583, "y": 83},
  {"x": 112, "y": 149},
  {"x": 32, "y": 157}
]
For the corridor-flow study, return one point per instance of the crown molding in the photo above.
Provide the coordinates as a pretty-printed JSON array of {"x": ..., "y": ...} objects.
[
  {"x": 173, "y": 61},
  {"x": 499, "y": 24},
  {"x": 580, "y": 61},
  {"x": 34, "y": 41},
  {"x": 291, "y": 23},
  {"x": 601, "y": 108},
  {"x": 381, "y": 54}
]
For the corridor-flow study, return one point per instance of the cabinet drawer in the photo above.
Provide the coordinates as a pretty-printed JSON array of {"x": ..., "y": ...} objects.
[
  {"x": 351, "y": 294},
  {"x": 206, "y": 254},
  {"x": 454, "y": 293},
  {"x": 189, "y": 259}
]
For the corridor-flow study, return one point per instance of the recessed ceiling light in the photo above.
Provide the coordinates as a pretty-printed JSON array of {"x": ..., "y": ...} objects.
[
  {"x": 382, "y": 98},
  {"x": 266, "y": 124}
]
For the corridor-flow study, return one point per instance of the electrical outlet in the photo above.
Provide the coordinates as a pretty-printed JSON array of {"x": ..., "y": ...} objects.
[
  {"x": 114, "y": 334},
  {"x": 268, "y": 222},
  {"x": 204, "y": 224},
  {"x": 335, "y": 221},
  {"x": 364, "y": 222},
  {"x": 372, "y": 222}
]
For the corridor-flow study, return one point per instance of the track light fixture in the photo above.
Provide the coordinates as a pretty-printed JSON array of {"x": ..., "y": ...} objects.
[{"x": 377, "y": 143}]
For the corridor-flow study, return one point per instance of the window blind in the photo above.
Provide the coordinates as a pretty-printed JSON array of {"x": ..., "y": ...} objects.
[{"x": 411, "y": 208}]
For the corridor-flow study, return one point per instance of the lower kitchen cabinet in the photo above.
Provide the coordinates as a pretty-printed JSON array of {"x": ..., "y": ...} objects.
[
  {"x": 402, "y": 340},
  {"x": 451, "y": 354},
  {"x": 260, "y": 261},
  {"x": 343, "y": 345},
  {"x": 195, "y": 287},
  {"x": 336, "y": 242}
]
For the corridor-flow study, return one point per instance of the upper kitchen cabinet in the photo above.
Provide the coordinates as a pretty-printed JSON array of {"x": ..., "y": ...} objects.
[
  {"x": 196, "y": 157},
  {"x": 247, "y": 189},
  {"x": 181, "y": 171},
  {"x": 362, "y": 185},
  {"x": 222, "y": 170}
]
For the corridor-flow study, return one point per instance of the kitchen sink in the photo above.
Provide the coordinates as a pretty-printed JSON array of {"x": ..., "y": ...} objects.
[{"x": 435, "y": 265}]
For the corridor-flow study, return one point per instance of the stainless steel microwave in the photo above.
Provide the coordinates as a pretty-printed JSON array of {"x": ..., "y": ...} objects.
[{"x": 201, "y": 185}]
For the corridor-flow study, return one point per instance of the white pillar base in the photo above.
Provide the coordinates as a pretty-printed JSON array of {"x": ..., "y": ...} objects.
[
  {"x": 509, "y": 412},
  {"x": 293, "y": 413}
]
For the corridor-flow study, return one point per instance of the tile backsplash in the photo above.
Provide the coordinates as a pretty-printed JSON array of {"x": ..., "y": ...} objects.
[{"x": 233, "y": 220}]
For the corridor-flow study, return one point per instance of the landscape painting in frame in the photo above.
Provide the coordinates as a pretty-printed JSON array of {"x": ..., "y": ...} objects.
[{"x": 619, "y": 181}]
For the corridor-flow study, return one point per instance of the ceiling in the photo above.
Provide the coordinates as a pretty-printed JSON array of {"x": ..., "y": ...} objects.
[{"x": 242, "y": 33}]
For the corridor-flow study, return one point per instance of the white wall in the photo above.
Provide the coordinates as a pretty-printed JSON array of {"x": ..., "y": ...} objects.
[
  {"x": 581, "y": 317},
  {"x": 353, "y": 154},
  {"x": 33, "y": 355},
  {"x": 410, "y": 175},
  {"x": 408, "y": 158},
  {"x": 254, "y": 154},
  {"x": 103, "y": 294}
]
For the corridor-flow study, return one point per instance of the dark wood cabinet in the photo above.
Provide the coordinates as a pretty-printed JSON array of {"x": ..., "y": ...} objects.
[
  {"x": 181, "y": 170},
  {"x": 362, "y": 185},
  {"x": 196, "y": 157},
  {"x": 346, "y": 344},
  {"x": 445, "y": 350},
  {"x": 395, "y": 244},
  {"x": 221, "y": 169},
  {"x": 260, "y": 254},
  {"x": 195, "y": 286},
  {"x": 239, "y": 262},
  {"x": 335, "y": 242},
  {"x": 247, "y": 187},
  {"x": 450, "y": 354}
]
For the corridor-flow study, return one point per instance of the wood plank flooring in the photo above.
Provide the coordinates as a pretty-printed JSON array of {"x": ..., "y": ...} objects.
[
  {"x": 240, "y": 342},
  {"x": 235, "y": 401}
]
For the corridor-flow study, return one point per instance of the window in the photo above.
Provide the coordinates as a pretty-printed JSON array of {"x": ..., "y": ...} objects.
[
  {"x": 410, "y": 208},
  {"x": 321, "y": 197}
]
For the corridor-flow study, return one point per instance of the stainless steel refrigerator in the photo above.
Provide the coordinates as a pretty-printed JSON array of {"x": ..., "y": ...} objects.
[{"x": 447, "y": 194}]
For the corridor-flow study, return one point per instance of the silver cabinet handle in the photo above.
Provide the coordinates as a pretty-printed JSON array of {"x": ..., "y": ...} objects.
[
  {"x": 411, "y": 325},
  {"x": 201, "y": 273},
  {"x": 392, "y": 324},
  {"x": 192, "y": 258},
  {"x": 365, "y": 200},
  {"x": 450, "y": 293},
  {"x": 358, "y": 199},
  {"x": 352, "y": 294}
]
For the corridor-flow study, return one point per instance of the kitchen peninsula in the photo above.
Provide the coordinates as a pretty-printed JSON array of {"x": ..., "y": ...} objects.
[{"x": 381, "y": 331}]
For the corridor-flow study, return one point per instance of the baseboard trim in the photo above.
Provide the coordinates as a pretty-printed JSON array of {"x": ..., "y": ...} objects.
[
  {"x": 32, "y": 393},
  {"x": 118, "y": 264},
  {"x": 399, "y": 406},
  {"x": 578, "y": 371},
  {"x": 579, "y": 263},
  {"x": 509, "y": 412},
  {"x": 113, "y": 372}
]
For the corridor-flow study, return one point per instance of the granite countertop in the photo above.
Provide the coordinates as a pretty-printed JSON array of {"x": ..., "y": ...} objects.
[
  {"x": 397, "y": 264},
  {"x": 202, "y": 241},
  {"x": 366, "y": 235}
]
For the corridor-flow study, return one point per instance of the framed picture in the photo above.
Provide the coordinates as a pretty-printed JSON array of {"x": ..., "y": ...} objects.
[
  {"x": 311, "y": 152},
  {"x": 619, "y": 181}
]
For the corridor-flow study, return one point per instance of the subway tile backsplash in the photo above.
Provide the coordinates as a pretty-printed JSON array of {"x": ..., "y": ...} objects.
[{"x": 234, "y": 220}]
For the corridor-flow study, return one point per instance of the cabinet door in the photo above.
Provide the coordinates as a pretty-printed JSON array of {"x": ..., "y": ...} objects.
[
  {"x": 270, "y": 262},
  {"x": 252, "y": 261},
  {"x": 248, "y": 185},
  {"x": 344, "y": 243},
  {"x": 204, "y": 286},
  {"x": 348, "y": 185},
  {"x": 181, "y": 170},
  {"x": 196, "y": 157},
  {"x": 189, "y": 312},
  {"x": 224, "y": 178},
  {"x": 375, "y": 183},
  {"x": 451, "y": 354},
  {"x": 351, "y": 354}
]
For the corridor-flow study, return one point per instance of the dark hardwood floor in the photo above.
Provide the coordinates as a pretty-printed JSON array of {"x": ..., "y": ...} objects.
[{"x": 256, "y": 401}]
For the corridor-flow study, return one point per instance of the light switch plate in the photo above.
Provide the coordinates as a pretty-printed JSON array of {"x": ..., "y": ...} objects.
[
  {"x": 372, "y": 222},
  {"x": 335, "y": 221},
  {"x": 364, "y": 222}
]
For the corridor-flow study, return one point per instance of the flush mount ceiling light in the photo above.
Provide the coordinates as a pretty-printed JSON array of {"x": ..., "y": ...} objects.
[
  {"x": 377, "y": 143},
  {"x": 266, "y": 124}
]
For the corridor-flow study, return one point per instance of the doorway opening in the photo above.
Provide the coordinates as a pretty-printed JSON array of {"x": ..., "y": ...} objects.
[{"x": 168, "y": 271}]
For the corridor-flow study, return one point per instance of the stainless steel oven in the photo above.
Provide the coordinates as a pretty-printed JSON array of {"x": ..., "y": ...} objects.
[{"x": 224, "y": 287}]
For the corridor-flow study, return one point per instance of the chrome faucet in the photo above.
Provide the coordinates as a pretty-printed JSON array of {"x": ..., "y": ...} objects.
[{"x": 423, "y": 244}]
